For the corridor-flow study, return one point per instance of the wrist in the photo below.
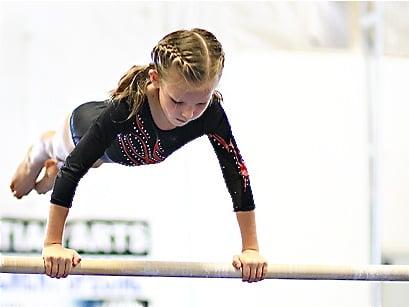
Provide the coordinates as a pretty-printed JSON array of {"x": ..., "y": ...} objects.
[
  {"x": 49, "y": 243},
  {"x": 250, "y": 249}
]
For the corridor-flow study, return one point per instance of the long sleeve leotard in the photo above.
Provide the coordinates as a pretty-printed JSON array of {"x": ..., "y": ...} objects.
[{"x": 138, "y": 141}]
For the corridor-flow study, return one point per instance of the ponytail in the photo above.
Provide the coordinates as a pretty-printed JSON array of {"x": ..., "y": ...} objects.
[{"x": 132, "y": 86}]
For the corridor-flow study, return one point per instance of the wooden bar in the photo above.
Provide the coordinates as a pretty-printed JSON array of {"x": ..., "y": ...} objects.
[{"x": 127, "y": 267}]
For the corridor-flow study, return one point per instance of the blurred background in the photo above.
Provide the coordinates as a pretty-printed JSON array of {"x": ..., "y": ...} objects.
[{"x": 316, "y": 93}]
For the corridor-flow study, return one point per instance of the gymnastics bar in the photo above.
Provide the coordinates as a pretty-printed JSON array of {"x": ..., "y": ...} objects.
[{"x": 127, "y": 267}]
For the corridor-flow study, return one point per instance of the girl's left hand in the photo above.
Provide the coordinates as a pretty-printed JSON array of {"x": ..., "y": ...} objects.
[{"x": 253, "y": 266}]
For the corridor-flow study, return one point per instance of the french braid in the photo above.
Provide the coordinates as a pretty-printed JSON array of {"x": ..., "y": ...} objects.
[{"x": 196, "y": 54}]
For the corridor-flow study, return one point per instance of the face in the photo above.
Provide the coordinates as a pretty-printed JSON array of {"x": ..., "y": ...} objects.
[{"x": 181, "y": 103}]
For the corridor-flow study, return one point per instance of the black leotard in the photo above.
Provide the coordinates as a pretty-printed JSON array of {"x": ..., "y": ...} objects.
[{"x": 103, "y": 130}]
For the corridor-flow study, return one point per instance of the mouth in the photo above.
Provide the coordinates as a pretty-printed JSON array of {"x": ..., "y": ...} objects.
[{"x": 181, "y": 121}]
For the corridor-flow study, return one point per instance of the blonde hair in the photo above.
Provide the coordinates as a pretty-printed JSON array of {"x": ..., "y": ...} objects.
[{"x": 196, "y": 55}]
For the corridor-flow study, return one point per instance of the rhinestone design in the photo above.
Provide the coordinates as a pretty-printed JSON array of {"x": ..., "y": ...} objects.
[{"x": 138, "y": 147}]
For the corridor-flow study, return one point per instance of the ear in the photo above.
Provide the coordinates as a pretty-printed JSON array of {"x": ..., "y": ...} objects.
[{"x": 154, "y": 77}]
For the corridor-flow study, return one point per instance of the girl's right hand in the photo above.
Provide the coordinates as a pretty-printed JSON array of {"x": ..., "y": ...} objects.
[{"x": 58, "y": 260}]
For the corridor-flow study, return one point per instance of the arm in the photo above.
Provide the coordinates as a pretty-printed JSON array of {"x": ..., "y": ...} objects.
[
  {"x": 251, "y": 263},
  {"x": 90, "y": 148},
  {"x": 247, "y": 224},
  {"x": 58, "y": 260},
  {"x": 55, "y": 225}
]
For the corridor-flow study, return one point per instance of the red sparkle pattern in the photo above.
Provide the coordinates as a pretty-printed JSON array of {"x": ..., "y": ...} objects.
[
  {"x": 138, "y": 148},
  {"x": 229, "y": 147}
]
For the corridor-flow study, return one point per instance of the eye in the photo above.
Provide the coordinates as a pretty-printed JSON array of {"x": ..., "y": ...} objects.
[
  {"x": 203, "y": 104},
  {"x": 176, "y": 102}
]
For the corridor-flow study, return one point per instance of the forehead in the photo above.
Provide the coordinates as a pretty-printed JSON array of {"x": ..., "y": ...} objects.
[{"x": 181, "y": 91}]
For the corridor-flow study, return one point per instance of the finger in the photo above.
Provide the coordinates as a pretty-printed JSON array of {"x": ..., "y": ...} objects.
[
  {"x": 67, "y": 268},
  {"x": 48, "y": 266},
  {"x": 259, "y": 272},
  {"x": 246, "y": 272},
  {"x": 54, "y": 267},
  {"x": 236, "y": 262},
  {"x": 76, "y": 259},
  {"x": 253, "y": 272},
  {"x": 259, "y": 275},
  {"x": 61, "y": 267},
  {"x": 265, "y": 270}
]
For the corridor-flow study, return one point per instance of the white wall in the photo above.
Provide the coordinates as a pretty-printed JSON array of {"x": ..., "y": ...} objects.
[
  {"x": 299, "y": 120},
  {"x": 395, "y": 157}
]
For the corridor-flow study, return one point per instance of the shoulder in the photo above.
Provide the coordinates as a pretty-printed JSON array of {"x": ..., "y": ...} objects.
[
  {"x": 119, "y": 110},
  {"x": 215, "y": 107},
  {"x": 214, "y": 114}
]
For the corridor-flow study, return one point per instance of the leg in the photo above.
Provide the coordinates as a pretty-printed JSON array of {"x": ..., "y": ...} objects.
[
  {"x": 59, "y": 152},
  {"x": 48, "y": 176},
  {"x": 51, "y": 168},
  {"x": 58, "y": 149},
  {"x": 50, "y": 150},
  {"x": 24, "y": 178}
]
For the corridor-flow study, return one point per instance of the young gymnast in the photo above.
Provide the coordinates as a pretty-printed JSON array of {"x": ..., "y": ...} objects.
[{"x": 155, "y": 110}]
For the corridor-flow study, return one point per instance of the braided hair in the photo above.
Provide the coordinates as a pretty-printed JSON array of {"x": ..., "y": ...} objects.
[{"x": 196, "y": 55}]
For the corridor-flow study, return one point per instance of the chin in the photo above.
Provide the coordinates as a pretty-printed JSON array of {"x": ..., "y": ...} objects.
[{"x": 178, "y": 123}]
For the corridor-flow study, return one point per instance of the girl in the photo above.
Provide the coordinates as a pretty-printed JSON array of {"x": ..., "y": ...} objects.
[{"x": 155, "y": 110}]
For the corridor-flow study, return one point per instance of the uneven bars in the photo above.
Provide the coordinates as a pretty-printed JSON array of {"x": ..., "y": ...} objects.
[{"x": 126, "y": 267}]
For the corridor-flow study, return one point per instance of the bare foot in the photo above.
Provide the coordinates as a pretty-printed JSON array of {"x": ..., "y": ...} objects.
[
  {"x": 46, "y": 183},
  {"x": 25, "y": 176}
]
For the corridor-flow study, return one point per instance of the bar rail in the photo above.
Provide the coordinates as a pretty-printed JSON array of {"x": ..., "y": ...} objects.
[{"x": 130, "y": 267}]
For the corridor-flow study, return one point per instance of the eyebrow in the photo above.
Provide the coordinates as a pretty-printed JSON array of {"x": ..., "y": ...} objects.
[{"x": 174, "y": 100}]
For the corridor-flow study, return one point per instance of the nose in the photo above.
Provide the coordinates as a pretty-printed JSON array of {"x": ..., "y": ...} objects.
[{"x": 188, "y": 112}]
